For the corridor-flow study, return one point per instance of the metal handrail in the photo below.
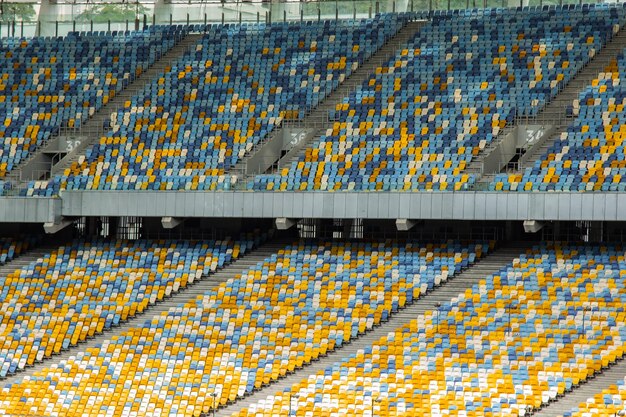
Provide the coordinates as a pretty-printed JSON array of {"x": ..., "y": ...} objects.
[{"x": 234, "y": 11}]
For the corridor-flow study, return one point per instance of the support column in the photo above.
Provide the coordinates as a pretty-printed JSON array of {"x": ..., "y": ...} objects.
[
  {"x": 46, "y": 17},
  {"x": 516, "y": 3},
  {"x": 162, "y": 11}
]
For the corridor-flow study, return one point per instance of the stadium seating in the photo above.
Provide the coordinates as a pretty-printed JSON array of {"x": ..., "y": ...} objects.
[
  {"x": 13, "y": 247},
  {"x": 284, "y": 312},
  {"x": 52, "y": 83},
  {"x": 188, "y": 127},
  {"x": 81, "y": 289},
  {"x": 589, "y": 156},
  {"x": 607, "y": 403},
  {"x": 419, "y": 120},
  {"x": 515, "y": 340}
]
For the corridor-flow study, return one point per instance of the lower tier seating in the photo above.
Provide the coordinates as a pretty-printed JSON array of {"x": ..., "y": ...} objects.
[
  {"x": 85, "y": 287},
  {"x": 286, "y": 311},
  {"x": 517, "y": 339}
]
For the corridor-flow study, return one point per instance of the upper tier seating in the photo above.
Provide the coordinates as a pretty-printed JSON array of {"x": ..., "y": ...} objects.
[
  {"x": 589, "y": 156},
  {"x": 189, "y": 126},
  {"x": 86, "y": 287},
  {"x": 548, "y": 321},
  {"x": 607, "y": 403},
  {"x": 282, "y": 313},
  {"x": 419, "y": 120},
  {"x": 52, "y": 83}
]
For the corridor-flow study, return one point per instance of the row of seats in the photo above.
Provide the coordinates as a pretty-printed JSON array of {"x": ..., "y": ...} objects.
[
  {"x": 11, "y": 247},
  {"x": 284, "y": 312},
  {"x": 494, "y": 11},
  {"x": 86, "y": 287},
  {"x": 51, "y": 83},
  {"x": 514, "y": 341},
  {"x": 420, "y": 119},
  {"x": 610, "y": 402},
  {"x": 589, "y": 156},
  {"x": 194, "y": 122}
]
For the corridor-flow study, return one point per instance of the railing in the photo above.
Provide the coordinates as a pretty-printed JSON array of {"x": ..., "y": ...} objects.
[
  {"x": 556, "y": 119},
  {"x": 59, "y": 18}
]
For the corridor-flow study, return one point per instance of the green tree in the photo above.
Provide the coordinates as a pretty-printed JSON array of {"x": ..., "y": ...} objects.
[
  {"x": 119, "y": 12},
  {"x": 17, "y": 12}
]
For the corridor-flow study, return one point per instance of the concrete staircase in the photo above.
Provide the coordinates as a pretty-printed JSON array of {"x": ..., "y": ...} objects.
[
  {"x": 92, "y": 129},
  {"x": 476, "y": 164},
  {"x": 190, "y": 292},
  {"x": 317, "y": 118},
  {"x": 583, "y": 391},
  {"x": 445, "y": 292},
  {"x": 553, "y": 112}
]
